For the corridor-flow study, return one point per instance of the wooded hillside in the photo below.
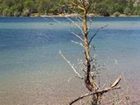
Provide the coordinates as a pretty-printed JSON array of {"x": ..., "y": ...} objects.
[{"x": 55, "y": 7}]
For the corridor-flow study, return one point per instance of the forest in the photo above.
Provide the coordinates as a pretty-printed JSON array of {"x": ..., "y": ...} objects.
[{"x": 56, "y": 7}]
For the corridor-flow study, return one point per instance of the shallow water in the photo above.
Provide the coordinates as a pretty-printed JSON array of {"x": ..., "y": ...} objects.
[{"x": 32, "y": 71}]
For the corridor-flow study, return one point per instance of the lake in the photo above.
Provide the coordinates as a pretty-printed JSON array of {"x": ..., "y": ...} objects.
[{"x": 33, "y": 73}]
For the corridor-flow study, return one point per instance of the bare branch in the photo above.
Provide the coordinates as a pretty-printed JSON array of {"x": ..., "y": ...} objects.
[
  {"x": 71, "y": 65},
  {"x": 96, "y": 33},
  {"x": 77, "y": 36},
  {"x": 75, "y": 24},
  {"x": 117, "y": 81},
  {"x": 78, "y": 43},
  {"x": 101, "y": 92},
  {"x": 77, "y": 5}
]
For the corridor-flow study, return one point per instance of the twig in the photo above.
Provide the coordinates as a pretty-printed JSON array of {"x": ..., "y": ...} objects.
[
  {"x": 78, "y": 26},
  {"x": 93, "y": 93},
  {"x": 77, "y": 6},
  {"x": 71, "y": 65},
  {"x": 117, "y": 81},
  {"x": 77, "y": 36},
  {"x": 96, "y": 33},
  {"x": 101, "y": 92},
  {"x": 78, "y": 43}
]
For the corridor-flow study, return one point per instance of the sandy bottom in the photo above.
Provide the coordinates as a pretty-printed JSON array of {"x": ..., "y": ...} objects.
[
  {"x": 43, "y": 88},
  {"x": 38, "y": 88}
]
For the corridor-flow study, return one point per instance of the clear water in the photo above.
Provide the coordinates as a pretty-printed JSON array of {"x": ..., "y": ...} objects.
[{"x": 29, "y": 57}]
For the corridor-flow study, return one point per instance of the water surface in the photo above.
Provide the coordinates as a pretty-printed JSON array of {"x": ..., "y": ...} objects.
[{"x": 31, "y": 67}]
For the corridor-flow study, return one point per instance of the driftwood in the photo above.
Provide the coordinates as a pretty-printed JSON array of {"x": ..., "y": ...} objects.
[{"x": 114, "y": 86}]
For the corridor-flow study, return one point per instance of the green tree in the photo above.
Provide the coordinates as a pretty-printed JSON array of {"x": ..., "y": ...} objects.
[
  {"x": 43, "y": 6},
  {"x": 28, "y": 6},
  {"x": 127, "y": 11}
]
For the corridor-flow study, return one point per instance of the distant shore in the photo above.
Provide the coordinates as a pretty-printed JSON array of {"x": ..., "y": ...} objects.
[
  {"x": 75, "y": 15},
  {"x": 90, "y": 15}
]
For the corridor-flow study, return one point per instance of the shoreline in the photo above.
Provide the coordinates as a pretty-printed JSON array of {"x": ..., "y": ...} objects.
[
  {"x": 74, "y": 15},
  {"x": 89, "y": 15}
]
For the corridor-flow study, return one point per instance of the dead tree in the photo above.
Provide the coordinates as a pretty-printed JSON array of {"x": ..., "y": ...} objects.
[{"x": 89, "y": 78}]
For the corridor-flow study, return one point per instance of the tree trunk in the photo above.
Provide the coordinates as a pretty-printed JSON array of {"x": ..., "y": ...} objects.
[
  {"x": 88, "y": 82},
  {"x": 94, "y": 100}
]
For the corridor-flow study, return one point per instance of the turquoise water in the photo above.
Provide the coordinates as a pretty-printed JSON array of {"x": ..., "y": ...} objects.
[
  {"x": 29, "y": 47},
  {"x": 29, "y": 43}
]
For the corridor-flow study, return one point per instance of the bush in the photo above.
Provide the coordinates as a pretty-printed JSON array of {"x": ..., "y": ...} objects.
[
  {"x": 127, "y": 11},
  {"x": 116, "y": 14},
  {"x": 26, "y": 12},
  {"x": 17, "y": 13},
  {"x": 7, "y": 12},
  {"x": 104, "y": 12}
]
